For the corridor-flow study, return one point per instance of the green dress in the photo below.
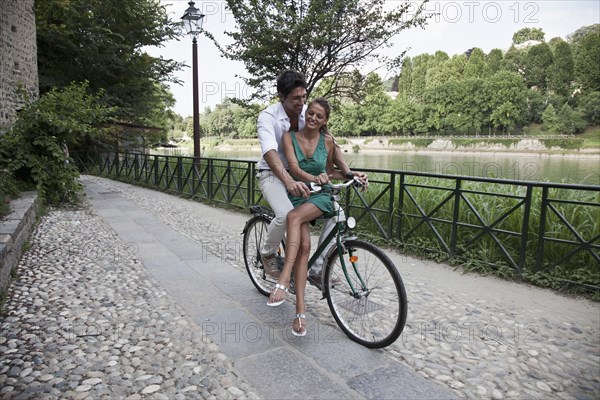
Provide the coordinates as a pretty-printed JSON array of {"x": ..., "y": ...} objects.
[{"x": 314, "y": 165}]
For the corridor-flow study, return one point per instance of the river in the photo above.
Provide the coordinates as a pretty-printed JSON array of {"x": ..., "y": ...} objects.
[{"x": 527, "y": 166}]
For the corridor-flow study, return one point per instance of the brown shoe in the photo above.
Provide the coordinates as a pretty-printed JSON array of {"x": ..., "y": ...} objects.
[{"x": 270, "y": 266}]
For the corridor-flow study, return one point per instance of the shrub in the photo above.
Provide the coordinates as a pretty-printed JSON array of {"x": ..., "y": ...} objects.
[
  {"x": 36, "y": 148},
  {"x": 566, "y": 143},
  {"x": 8, "y": 189}
]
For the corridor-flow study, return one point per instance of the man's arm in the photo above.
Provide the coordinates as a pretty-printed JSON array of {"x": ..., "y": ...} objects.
[
  {"x": 294, "y": 187},
  {"x": 268, "y": 143}
]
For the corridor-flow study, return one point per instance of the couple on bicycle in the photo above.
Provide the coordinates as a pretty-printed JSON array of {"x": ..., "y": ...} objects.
[{"x": 296, "y": 148}]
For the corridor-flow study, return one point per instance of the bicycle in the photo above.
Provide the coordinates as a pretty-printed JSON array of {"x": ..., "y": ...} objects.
[{"x": 363, "y": 287}]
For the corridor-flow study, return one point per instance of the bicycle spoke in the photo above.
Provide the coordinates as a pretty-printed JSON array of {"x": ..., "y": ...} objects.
[{"x": 374, "y": 315}]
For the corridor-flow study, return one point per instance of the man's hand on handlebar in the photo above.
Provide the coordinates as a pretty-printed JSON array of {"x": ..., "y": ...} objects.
[{"x": 298, "y": 189}]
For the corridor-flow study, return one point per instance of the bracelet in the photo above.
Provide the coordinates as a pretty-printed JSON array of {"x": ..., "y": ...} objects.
[{"x": 350, "y": 175}]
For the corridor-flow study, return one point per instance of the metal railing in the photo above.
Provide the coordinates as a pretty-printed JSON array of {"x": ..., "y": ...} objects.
[{"x": 518, "y": 224}]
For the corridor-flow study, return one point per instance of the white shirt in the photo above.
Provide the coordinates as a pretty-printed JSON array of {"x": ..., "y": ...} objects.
[{"x": 272, "y": 123}]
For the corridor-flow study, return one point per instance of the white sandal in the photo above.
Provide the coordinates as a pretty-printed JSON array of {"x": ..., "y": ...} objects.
[
  {"x": 299, "y": 317},
  {"x": 278, "y": 286}
]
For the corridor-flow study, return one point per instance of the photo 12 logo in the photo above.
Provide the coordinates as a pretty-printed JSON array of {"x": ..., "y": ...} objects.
[
  {"x": 215, "y": 10},
  {"x": 474, "y": 11},
  {"x": 217, "y": 92}
]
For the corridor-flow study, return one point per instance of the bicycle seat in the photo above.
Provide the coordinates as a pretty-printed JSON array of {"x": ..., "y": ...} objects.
[{"x": 262, "y": 210}]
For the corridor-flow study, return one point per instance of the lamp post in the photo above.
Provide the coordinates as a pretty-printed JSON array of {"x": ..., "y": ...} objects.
[{"x": 192, "y": 20}]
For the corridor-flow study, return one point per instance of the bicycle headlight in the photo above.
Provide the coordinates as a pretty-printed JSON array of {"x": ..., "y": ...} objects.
[{"x": 351, "y": 222}]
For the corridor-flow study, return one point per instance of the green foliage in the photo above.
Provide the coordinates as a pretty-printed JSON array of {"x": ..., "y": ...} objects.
[
  {"x": 537, "y": 63},
  {"x": 8, "y": 189},
  {"x": 488, "y": 141},
  {"x": 273, "y": 36},
  {"x": 550, "y": 120},
  {"x": 231, "y": 120},
  {"x": 102, "y": 42},
  {"x": 561, "y": 72},
  {"x": 571, "y": 143},
  {"x": 507, "y": 100},
  {"x": 525, "y": 34},
  {"x": 570, "y": 121},
  {"x": 36, "y": 148},
  {"x": 587, "y": 59},
  {"x": 493, "y": 62},
  {"x": 421, "y": 143},
  {"x": 475, "y": 67},
  {"x": 438, "y": 94},
  {"x": 590, "y": 107}
]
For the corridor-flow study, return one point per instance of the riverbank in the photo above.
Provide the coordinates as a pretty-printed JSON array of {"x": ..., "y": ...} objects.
[{"x": 378, "y": 145}]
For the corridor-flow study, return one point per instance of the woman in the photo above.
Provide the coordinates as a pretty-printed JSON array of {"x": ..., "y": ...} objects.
[{"x": 309, "y": 153}]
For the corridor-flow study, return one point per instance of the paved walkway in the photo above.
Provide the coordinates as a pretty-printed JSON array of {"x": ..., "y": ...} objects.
[{"x": 467, "y": 336}]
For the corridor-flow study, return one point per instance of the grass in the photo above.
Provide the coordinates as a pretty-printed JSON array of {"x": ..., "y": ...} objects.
[
  {"x": 591, "y": 137},
  {"x": 490, "y": 202}
]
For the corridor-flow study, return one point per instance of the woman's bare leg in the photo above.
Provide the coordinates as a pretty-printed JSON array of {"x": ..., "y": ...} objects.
[
  {"x": 295, "y": 218},
  {"x": 300, "y": 273}
]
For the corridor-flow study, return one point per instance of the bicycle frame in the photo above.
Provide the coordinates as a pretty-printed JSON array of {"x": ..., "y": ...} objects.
[{"x": 337, "y": 233}]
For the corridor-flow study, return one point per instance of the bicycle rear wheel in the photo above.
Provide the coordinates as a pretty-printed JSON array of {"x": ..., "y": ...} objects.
[
  {"x": 374, "y": 314},
  {"x": 255, "y": 234}
]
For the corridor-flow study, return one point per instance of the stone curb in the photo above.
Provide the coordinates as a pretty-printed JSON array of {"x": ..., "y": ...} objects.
[{"x": 15, "y": 230}]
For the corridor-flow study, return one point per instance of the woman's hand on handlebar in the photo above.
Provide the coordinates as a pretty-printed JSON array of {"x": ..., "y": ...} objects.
[
  {"x": 363, "y": 178},
  {"x": 322, "y": 179}
]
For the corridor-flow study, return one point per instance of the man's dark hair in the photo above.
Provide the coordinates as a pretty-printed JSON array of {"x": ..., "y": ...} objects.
[{"x": 289, "y": 80}]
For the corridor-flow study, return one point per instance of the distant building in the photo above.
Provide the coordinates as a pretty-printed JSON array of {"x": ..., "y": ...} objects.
[
  {"x": 18, "y": 58},
  {"x": 527, "y": 44}
]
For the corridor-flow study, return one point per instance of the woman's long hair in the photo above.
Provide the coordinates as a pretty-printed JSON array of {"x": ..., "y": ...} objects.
[{"x": 322, "y": 101}]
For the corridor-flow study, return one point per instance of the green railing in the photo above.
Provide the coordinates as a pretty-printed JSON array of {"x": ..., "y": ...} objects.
[{"x": 504, "y": 223}]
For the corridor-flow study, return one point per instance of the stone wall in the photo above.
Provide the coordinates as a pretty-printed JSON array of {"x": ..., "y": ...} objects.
[
  {"x": 15, "y": 230},
  {"x": 18, "y": 57}
]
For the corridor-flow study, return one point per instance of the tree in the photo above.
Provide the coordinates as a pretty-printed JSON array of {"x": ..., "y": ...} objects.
[
  {"x": 587, "y": 59},
  {"x": 570, "y": 121},
  {"x": 375, "y": 104},
  {"x": 446, "y": 71},
  {"x": 537, "y": 62},
  {"x": 590, "y": 107},
  {"x": 493, "y": 62},
  {"x": 506, "y": 92},
  {"x": 405, "y": 79},
  {"x": 322, "y": 38},
  {"x": 101, "y": 42},
  {"x": 576, "y": 37},
  {"x": 419, "y": 76},
  {"x": 550, "y": 122},
  {"x": 525, "y": 34},
  {"x": 561, "y": 72},
  {"x": 537, "y": 101},
  {"x": 514, "y": 60},
  {"x": 475, "y": 67}
]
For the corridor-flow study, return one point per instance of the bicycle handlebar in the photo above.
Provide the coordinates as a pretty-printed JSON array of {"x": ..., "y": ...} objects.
[{"x": 316, "y": 188}]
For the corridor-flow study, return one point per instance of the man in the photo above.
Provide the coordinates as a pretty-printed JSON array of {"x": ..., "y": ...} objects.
[{"x": 275, "y": 182}]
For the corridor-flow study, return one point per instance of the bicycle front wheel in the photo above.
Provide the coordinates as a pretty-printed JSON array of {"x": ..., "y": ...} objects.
[
  {"x": 254, "y": 236},
  {"x": 369, "y": 302}
]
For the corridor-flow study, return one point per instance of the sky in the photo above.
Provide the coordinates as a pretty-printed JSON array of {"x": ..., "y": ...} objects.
[{"x": 455, "y": 26}]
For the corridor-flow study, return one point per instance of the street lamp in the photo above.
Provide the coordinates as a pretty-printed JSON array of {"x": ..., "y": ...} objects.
[{"x": 192, "y": 20}]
